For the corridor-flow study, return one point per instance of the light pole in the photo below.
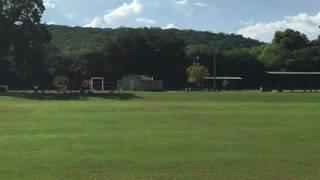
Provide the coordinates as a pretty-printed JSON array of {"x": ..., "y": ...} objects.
[
  {"x": 196, "y": 59},
  {"x": 215, "y": 70}
]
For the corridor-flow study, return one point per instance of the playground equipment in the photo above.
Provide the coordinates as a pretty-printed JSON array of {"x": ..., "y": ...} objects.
[{"x": 97, "y": 85}]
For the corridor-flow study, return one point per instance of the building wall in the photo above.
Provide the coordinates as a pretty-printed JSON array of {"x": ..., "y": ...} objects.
[
  {"x": 139, "y": 84},
  {"x": 124, "y": 84},
  {"x": 152, "y": 85}
]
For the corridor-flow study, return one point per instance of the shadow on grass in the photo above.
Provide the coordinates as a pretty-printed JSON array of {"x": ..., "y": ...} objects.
[
  {"x": 116, "y": 96},
  {"x": 73, "y": 96}
]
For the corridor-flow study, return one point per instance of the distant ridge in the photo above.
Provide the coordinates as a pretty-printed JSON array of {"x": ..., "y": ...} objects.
[{"x": 79, "y": 40}]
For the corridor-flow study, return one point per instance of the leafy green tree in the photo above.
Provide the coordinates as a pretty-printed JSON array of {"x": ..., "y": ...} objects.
[
  {"x": 290, "y": 39},
  {"x": 23, "y": 36},
  {"x": 196, "y": 74},
  {"x": 283, "y": 53},
  {"x": 275, "y": 58},
  {"x": 307, "y": 59},
  {"x": 316, "y": 42}
]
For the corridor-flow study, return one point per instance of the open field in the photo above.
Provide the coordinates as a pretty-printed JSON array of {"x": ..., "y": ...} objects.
[{"x": 235, "y": 135}]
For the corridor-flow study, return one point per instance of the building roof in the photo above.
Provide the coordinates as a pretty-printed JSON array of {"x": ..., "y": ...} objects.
[
  {"x": 146, "y": 77},
  {"x": 143, "y": 77},
  {"x": 293, "y": 73},
  {"x": 223, "y": 78}
]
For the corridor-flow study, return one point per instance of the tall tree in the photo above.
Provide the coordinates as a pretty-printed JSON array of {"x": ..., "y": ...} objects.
[
  {"x": 290, "y": 39},
  {"x": 22, "y": 35}
]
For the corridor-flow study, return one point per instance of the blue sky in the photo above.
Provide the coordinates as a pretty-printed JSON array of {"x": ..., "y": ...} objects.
[{"x": 258, "y": 19}]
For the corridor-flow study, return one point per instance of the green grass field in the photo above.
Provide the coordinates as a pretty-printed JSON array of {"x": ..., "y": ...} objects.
[{"x": 235, "y": 135}]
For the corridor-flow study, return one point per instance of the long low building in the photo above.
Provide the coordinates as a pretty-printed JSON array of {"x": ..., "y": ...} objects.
[{"x": 294, "y": 80}]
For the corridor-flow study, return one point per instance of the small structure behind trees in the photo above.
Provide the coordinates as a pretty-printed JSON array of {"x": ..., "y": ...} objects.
[
  {"x": 3, "y": 88},
  {"x": 140, "y": 83},
  {"x": 61, "y": 83}
]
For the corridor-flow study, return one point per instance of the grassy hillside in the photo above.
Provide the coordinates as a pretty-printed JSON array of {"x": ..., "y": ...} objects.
[
  {"x": 160, "y": 136},
  {"x": 77, "y": 40}
]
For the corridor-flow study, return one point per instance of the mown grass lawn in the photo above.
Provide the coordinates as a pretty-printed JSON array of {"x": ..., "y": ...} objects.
[{"x": 234, "y": 135}]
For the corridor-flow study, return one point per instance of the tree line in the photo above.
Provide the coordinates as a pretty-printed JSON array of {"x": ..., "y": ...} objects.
[
  {"x": 33, "y": 53},
  {"x": 167, "y": 56}
]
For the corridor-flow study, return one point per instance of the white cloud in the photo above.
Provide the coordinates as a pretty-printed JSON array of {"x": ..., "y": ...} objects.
[
  {"x": 200, "y": 4},
  {"x": 96, "y": 22},
  {"x": 146, "y": 21},
  {"x": 50, "y": 22},
  {"x": 182, "y": 2},
  {"x": 70, "y": 16},
  {"x": 112, "y": 17},
  {"x": 86, "y": 20},
  {"x": 49, "y": 4},
  {"x": 135, "y": 7},
  {"x": 170, "y": 26},
  {"x": 250, "y": 22},
  {"x": 265, "y": 31}
]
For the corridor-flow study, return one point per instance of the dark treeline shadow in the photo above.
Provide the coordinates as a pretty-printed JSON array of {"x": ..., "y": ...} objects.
[{"x": 71, "y": 96}]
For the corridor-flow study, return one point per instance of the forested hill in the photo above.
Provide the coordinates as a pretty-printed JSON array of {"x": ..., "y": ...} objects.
[{"x": 79, "y": 41}]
